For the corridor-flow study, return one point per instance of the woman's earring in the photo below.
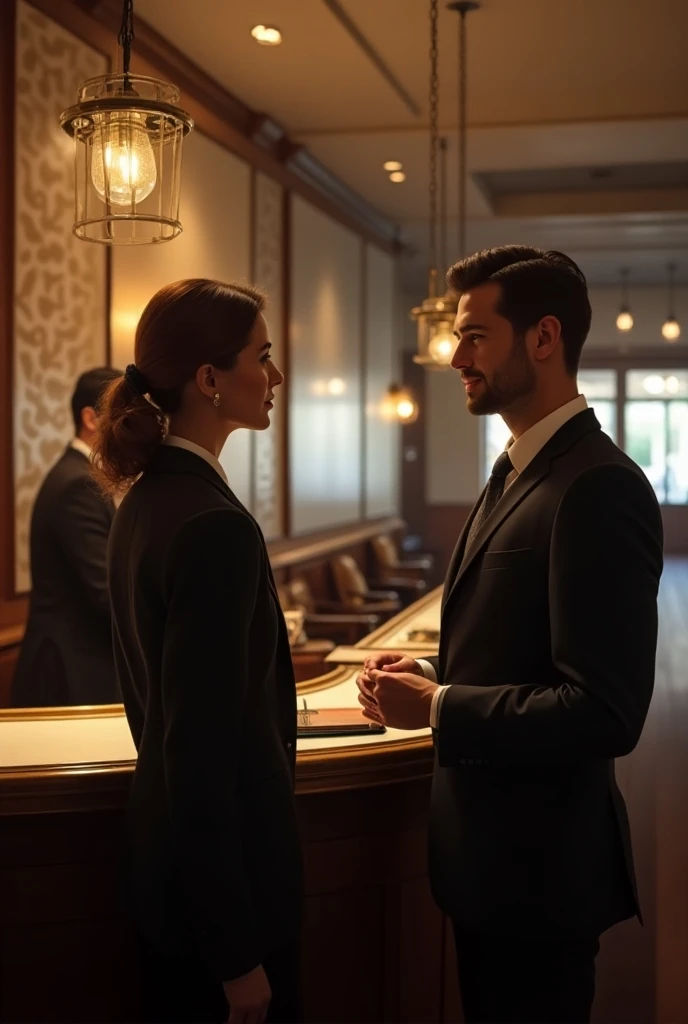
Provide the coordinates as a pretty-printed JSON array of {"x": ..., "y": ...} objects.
[{"x": 216, "y": 399}]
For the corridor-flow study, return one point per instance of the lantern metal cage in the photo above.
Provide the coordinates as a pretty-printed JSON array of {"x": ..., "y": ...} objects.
[
  {"x": 128, "y": 134},
  {"x": 435, "y": 327}
]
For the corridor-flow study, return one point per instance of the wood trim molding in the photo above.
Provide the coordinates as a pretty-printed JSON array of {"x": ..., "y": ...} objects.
[
  {"x": 250, "y": 135},
  {"x": 10, "y": 636},
  {"x": 10, "y": 608},
  {"x": 105, "y": 784},
  {"x": 641, "y": 357},
  {"x": 286, "y": 361},
  {"x": 393, "y": 625},
  {"x": 363, "y": 382}
]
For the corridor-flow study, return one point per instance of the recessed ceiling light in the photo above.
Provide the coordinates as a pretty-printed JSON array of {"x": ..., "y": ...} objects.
[
  {"x": 266, "y": 35},
  {"x": 392, "y": 165},
  {"x": 397, "y": 177}
]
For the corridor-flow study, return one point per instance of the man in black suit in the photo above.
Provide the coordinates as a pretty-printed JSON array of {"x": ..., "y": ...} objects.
[
  {"x": 66, "y": 656},
  {"x": 546, "y": 658}
]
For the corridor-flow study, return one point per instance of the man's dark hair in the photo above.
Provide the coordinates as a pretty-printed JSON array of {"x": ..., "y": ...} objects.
[
  {"x": 89, "y": 389},
  {"x": 535, "y": 283}
]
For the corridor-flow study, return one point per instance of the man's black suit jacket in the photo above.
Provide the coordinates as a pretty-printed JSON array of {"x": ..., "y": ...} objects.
[
  {"x": 548, "y": 641},
  {"x": 203, "y": 660},
  {"x": 66, "y": 655}
]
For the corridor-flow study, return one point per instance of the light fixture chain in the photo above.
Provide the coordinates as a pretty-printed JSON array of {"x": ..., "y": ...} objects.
[
  {"x": 443, "y": 203},
  {"x": 434, "y": 102},
  {"x": 126, "y": 34},
  {"x": 672, "y": 269},
  {"x": 461, "y": 212}
]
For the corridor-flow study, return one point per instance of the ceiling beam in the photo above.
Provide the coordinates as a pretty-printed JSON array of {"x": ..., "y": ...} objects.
[{"x": 372, "y": 54}]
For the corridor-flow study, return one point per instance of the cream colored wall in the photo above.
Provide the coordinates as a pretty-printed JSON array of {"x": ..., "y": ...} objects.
[
  {"x": 325, "y": 346},
  {"x": 382, "y": 367},
  {"x": 216, "y": 243}
]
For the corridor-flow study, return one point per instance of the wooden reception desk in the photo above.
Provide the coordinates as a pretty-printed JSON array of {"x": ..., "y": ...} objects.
[{"x": 375, "y": 948}]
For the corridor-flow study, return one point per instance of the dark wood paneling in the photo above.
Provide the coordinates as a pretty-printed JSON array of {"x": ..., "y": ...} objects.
[
  {"x": 413, "y": 452},
  {"x": 76, "y": 971},
  {"x": 372, "y": 939},
  {"x": 354, "y": 923},
  {"x": 8, "y": 664},
  {"x": 12, "y": 608},
  {"x": 443, "y": 524},
  {"x": 438, "y": 525}
]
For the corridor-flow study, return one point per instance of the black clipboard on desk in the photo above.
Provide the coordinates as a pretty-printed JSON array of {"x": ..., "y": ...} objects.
[{"x": 313, "y": 722}]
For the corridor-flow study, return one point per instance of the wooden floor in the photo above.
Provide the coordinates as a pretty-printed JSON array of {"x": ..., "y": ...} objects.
[{"x": 643, "y": 972}]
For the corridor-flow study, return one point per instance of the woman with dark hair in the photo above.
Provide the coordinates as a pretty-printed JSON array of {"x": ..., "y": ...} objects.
[{"x": 203, "y": 661}]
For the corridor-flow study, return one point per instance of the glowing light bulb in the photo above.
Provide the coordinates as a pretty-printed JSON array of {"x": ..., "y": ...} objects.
[
  {"x": 405, "y": 409},
  {"x": 397, "y": 177},
  {"x": 672, "y": 385},
  {"x": 123, "y": 167},
  {"x": 442, "y": 344},
  {"x": 624, "y": 321},
  {"x": 266, "y": 35},
  {"x": 671, "y": 329},
  {"x": 399, "y": 406},
  {"x": 392, "y": 165}
]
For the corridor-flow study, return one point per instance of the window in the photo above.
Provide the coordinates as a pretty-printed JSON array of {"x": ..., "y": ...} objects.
[
  {"x": 600, "y": 390},
  {"x": 656, "y": 430},
  {"x": 654, "y": 424}
]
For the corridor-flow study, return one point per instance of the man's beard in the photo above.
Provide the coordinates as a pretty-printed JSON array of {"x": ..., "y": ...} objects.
[{"x": 513, "y": 381}]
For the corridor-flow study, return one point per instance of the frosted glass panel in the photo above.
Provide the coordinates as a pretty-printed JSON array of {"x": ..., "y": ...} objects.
[
  {"x": 215, "y": 243},
  {"x": 452, "y": 442},
  {"x": 325, "y": 372},
  {"x": 382, "y": 368},
  {"x": 237, "y": 461}
]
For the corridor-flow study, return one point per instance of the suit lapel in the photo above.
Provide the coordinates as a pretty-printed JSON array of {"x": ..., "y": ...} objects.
[
  {"x": 455, "y": 561},
  {"x": 511, "y": 499},
  {"x": 571, "y": 432}
]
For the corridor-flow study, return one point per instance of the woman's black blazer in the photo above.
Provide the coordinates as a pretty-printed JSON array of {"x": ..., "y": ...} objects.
[{"x": 203, "y": 661}]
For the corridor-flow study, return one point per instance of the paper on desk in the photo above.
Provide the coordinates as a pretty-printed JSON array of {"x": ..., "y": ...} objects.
[{"x": 357, "y": 655}]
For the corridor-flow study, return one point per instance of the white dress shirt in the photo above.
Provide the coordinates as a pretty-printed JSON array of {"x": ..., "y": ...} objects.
[
  {"x": 521, "y": 452},
  {"x": 80, "y": 446},
  {"x": 203, "y": 453}
]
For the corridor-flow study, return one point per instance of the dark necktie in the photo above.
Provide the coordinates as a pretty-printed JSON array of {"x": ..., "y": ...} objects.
[{"x": 493, "y": 492}]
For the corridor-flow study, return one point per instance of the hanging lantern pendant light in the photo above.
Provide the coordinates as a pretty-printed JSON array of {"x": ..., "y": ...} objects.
[
  {"x": 433, "y": 314},
  {"x": 671, "y": 328},
  {"x": 436, "y": 314},
  {"x": 399, "y": 405},
  {"x": 624, "y": 321},
  {"x": 128, "y": 134}
]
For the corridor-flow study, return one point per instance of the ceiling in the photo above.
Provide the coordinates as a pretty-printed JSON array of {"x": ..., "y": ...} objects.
[{"x": 577, "y": 113}]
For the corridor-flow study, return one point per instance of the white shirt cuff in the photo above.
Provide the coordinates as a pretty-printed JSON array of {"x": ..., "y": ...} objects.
[
  {"x": 436, "y": 706},
  {"x": 427, "y": 669}
]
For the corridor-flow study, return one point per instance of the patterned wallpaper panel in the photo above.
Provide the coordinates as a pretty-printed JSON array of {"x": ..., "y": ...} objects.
[
  {"x": 60, "y": 283},
  {"x": 268, "y": 497}
]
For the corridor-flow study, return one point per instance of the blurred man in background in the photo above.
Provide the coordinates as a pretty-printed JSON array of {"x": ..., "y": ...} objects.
[{"x": 66, "y": 655}]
